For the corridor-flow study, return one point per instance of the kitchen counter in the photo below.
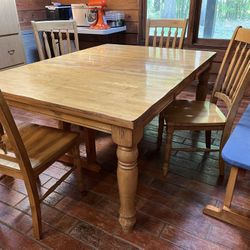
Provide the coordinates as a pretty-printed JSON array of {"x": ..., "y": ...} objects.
[{"x": 87, "y": 30}]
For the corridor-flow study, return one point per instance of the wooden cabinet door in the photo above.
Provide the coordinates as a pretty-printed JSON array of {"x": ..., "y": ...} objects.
[{"x": 9, "y": 23}]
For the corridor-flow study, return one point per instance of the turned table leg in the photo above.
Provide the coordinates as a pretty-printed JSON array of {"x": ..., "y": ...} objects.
[{"x": 127, "y": 174}]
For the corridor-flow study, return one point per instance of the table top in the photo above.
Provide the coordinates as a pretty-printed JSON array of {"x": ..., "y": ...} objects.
[
  {"x": 115, "y": 84},
  {"x": 87, "y": 30}
]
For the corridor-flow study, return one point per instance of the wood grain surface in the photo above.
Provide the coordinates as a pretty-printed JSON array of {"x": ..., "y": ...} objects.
[{"x": 110, "y": 83}]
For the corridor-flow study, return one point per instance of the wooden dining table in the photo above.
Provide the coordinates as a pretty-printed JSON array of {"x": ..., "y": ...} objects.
[{"x": 117, "y": 89}]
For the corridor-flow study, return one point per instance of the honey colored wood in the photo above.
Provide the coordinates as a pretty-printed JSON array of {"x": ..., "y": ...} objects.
[
  {"x": 225, "y": 213},
  {"x": 60, "y": 38},
  {"x": 165, "y": 35},
  {"x": 59, "y": 46},
  {"x": 230, "y": 85},
  {"x": 167, "y": 31},
  {"x": 31, "y": 150},
  {"x": 118, "y": 89}
]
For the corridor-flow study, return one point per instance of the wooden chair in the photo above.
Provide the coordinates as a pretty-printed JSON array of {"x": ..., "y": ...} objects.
[
  {"x": 28, "y": 152},
  {"x": 166, "y": 27},
  {"x": 172, "y": 34},
  {"x": 59, "y": 32},
  {"x": 236, "y": 153},
  {"x": 231, "y": 82}
]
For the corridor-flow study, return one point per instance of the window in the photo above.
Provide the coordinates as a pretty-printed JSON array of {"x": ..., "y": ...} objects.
[
  {"x": 208, "y": 19},
  {"x": 168, "y": 9},
  {"x": 219, "y": 18}
]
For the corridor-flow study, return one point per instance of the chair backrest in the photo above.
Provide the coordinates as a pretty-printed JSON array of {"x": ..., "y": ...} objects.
[
  {"x": 60, "y": 38},
  {"x": 234, "y": 73},
  {"x": 20, "y": 157},
  {"x": 171, "y": 32}
]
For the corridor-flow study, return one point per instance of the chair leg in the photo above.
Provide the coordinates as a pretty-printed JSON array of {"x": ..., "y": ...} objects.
[
  {"x": 225, "y": 213},
  {"x": 35, "y": 209},
  {"x": 221, "y": 165},
  {"x": 160, "y": 130},
  {"x": 208, "y": 138},
  {"x": 79, "y": 170},
  {"x": 168, "y": 149},
  {"x": 221, "y": 162},
  {"x": 230, "y": 186}
]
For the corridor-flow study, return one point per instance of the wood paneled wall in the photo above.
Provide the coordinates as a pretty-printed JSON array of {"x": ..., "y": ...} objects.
[{"x": 31, "y": 10}]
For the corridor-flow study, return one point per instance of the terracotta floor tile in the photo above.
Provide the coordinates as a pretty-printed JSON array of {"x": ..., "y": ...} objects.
[
  {"x": 57, "y": 219},
  {"x": 54, "y": 172},
  {"x": 84, "y": 212},
  {"x": 230, "y": 237},
  {"x": 156, "y": 196},
  {"x": 186, "y": 240},
  {"x": 15, "y": 184},
  {"x": 10, "y": 239},
  {"x": 97, "y": 238},
  {"x": 145, "y": 240},
  {"x": 57, "y": 240},
  {"x": 196, "y": 225},
  {"x": 24, "y": 205},
  {"x": 149, "y": 224},
  {"x": 53, "y": 199},
  {"x": 9, "y": 196},
  {"x": 15, "y": 218}
]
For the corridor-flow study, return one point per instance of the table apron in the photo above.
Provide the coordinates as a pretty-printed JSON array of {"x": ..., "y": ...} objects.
[{"x": 57, "y": 115}]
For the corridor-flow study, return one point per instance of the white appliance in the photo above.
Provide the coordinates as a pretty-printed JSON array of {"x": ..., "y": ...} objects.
[{"x": 83, "y": 15}]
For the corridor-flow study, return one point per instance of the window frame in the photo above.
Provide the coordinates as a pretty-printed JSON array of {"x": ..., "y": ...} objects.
[{"x": 192, "y": 40}]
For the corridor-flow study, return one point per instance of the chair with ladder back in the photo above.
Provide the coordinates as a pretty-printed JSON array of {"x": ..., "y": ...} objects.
[
  {"x": 53, "y": 38},
  {"x": 171, "y": 35},
  {"x": 28, "y": 151},
  {"x": 231, "y": 82}
]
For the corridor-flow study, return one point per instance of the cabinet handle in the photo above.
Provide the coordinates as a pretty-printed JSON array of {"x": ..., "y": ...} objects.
[{"x": 11, "y": 52}]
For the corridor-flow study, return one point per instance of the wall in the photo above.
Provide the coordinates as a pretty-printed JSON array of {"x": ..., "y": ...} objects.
[{"x": 30, "y": 10}]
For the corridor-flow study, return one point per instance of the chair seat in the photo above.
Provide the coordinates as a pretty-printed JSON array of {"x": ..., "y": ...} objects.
[
  {"x": 189, "y": 113},
  {"x": 236, "y": 151},
  {"x": 43, "y": 145}
]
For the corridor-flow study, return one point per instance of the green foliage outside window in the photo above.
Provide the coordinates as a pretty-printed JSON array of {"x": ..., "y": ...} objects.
[
  {"x": 218, "y": 18},
  {"x": 168, "y": 8}
]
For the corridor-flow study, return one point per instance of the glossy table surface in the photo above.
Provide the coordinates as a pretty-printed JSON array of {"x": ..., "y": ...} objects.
[
  {"x": 108, "y": 82},
  {"x": 113, "y": 88}
]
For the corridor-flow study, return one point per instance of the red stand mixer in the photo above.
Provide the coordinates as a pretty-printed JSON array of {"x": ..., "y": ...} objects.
[{"x": 101, "y": 22}]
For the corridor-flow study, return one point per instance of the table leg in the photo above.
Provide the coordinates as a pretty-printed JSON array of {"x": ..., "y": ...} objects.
[
  {"x": 202, "y": 88},
  {"x": 127, "y": 174},
  {"x": 89, "y": 139}
]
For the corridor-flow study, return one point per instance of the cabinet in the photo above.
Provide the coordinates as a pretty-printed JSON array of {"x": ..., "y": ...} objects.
[{"x": 11, "y": 45}]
